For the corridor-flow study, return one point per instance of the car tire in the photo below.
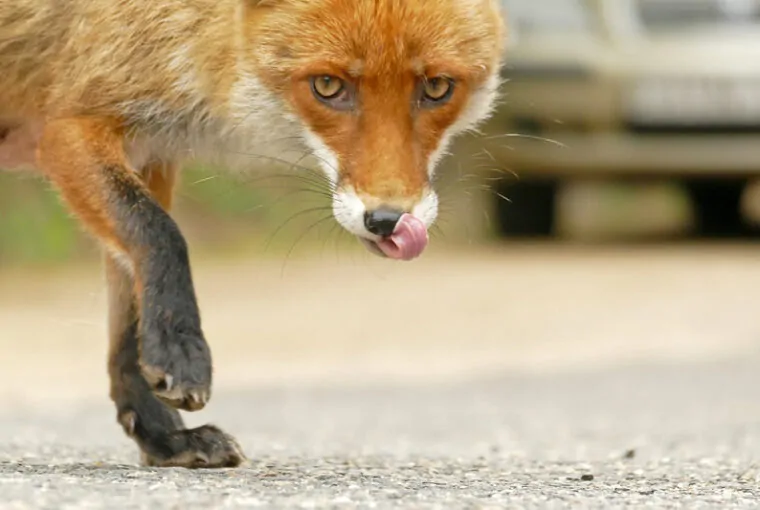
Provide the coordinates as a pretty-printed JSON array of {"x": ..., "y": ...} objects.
[
  {"x": 526, "y": 209},
  {"x": 717, "y": 205}
]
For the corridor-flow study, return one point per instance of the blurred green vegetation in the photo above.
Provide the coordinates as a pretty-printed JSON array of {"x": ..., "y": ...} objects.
[
  {"x": 265, "y": 211},
  {"x": 34, "y": 225},
  {"x": 270, "y": 211}
]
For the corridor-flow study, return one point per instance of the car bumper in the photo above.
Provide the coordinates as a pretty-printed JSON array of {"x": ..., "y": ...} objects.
[{"x": 589, "y": 154}]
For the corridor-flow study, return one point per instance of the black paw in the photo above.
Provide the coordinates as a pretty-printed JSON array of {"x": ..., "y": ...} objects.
[
  {"x": 202, "y": 447},
  {"x": 178, "y": 367}
]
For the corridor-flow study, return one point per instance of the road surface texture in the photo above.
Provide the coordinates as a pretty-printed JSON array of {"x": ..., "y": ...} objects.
[{"x": 526, "y": 377}]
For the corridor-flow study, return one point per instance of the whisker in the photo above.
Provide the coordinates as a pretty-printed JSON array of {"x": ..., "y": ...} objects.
[
  {"x": 499, "y": 195},
  {"x": 301, "y": 189},
  {"x": 269, "y": 177},
  {"x": 290, "y": 219},
  {"x": 487, "y": 216},
  {"x": 327, "y": 238},
  {"x": 497, "y": 170},
  {"x": 341, "y": 232},
  {"x": 283, "y": 161},
  {"x": 299, "y": 239},
  {"x": 527, "y": 137},
  {"x": 435, "y": 229},
  {"x": 284, "y": 196},
  {"x": 487, "y": 153},
  {"x": 205, "y": 179}
]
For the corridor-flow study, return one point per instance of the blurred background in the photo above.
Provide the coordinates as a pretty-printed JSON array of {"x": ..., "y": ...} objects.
[{"x": 616, "y": 179}]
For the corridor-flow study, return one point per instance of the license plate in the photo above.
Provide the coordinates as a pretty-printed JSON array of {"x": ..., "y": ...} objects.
[{"x": 695, "y": 102}]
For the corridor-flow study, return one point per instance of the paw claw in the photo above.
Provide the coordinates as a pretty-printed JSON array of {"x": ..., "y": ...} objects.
[
  {"x": 179, "y": 371},
  {"x": 128, "y": 421},
  {"x": 168, "y": 380}
]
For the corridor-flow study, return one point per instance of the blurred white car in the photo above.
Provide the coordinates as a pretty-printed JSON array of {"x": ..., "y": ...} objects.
[{"x": 630, "y": 88}]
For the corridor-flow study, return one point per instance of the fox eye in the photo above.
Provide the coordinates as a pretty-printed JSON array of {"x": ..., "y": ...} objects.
[
  {"x": 332, "y": 91},
  {"x": 327, "y": 87},
  {"x": 437, "y": 90}
]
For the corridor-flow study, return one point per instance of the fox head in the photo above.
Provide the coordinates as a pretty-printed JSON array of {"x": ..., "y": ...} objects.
[{"x": 379, "y": 88}]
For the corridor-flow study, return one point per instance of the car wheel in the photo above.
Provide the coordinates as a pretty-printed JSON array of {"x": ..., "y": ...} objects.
[
  {"x": 526, "y": 208},
  {"x": 717, "y": 208}
]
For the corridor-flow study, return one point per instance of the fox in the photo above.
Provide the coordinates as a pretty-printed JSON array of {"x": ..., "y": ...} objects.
[{"x": 108, "y": 100}]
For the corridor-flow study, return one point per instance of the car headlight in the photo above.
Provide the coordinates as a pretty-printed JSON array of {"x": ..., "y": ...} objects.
[{"x": 547, "y": 17}]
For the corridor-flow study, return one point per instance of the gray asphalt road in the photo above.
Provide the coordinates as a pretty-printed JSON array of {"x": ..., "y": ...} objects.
[
  {"x": 523, "y": 378},
  {"x": 664, "y": 436}
]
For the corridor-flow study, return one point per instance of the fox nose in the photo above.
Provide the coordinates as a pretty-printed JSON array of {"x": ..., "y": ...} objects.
[{"x": 382, "y": 222}]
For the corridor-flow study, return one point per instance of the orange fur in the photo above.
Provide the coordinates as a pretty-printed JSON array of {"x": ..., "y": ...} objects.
[
  {"x": 72, "y": 153},
  {"x": 382, "y": 47},
  {"x": 160, "y": 179}
]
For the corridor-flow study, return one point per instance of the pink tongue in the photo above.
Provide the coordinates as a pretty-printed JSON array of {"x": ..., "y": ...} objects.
[{"x": 408, "y": 241}]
